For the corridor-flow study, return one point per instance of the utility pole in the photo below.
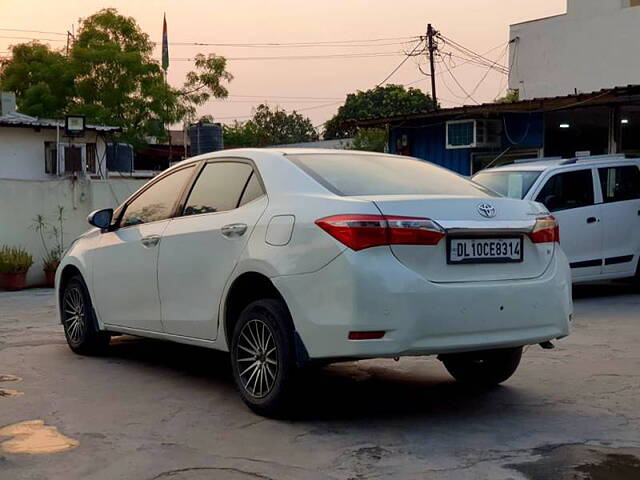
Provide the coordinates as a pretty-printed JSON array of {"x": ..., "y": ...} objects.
[{"x": 431, "y": 48}]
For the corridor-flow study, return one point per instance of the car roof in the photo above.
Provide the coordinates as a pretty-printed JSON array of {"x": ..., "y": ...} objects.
[
  {"x": 234, "y": 152},
  {"x": 542, "y": 164}
]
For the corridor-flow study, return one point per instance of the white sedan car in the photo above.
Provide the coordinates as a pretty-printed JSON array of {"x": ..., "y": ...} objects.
[{"x": 289, "y": 257}]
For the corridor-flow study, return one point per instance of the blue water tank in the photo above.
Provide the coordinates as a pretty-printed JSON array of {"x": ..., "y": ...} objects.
[
  {"x": 119, "y": 157},
  {"x": 205, "y": 137}
]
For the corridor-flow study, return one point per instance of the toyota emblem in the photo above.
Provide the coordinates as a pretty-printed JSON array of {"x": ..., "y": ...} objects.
[{"x": 486, "y": 210}]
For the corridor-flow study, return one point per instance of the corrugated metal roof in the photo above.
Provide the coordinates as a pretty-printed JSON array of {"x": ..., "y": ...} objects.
[
  {"x": 16, "y": 119},
  {"x": 338, "y": 144},
  {"x": 630, "y": 93}
]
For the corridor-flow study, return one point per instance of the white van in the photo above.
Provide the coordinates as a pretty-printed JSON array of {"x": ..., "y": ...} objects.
[{"x": 596, "y": 201}]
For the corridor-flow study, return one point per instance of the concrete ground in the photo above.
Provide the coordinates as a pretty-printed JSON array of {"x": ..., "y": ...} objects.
[{"x": 154, "y": 410}]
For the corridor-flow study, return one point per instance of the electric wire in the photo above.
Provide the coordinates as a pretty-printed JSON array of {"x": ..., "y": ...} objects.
[{"x": 408, "y": 55}]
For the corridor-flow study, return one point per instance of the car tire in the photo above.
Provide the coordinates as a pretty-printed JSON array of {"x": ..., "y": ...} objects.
[
  {"x": 263, "y": 358},
  {"x": 485, "y": 368},
  {"x": 79, "y": 321}
]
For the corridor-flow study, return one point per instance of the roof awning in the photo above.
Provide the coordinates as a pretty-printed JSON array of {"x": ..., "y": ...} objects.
[{"x": 610, "y": 96}]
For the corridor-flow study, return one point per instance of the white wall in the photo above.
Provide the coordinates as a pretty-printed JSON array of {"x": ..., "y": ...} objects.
[
  {"x": 22, "y": 200},
  {"x": 594, "y": 46},
  {"x": 22, "y": 151}
]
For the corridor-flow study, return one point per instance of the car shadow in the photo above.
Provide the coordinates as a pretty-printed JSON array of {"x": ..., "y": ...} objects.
[
  {"x": 353, "y": 391},
  {"x": 604, "y": 289}
]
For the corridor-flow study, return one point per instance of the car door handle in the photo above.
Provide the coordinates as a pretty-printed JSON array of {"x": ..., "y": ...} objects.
[
  {"x": 234, "y": 230},
  {"x": 150, "y": 241},
  {"x": 592, "y": 220}
]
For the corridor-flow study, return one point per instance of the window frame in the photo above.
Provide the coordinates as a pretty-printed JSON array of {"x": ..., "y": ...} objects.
[
  {"x": 544, "y": 179},
  {"x": 200, "y": 168},
  {"x": 121, "y": 210}
]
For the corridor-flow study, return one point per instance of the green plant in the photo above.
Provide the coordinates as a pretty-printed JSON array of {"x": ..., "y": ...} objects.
[
  {"x": 53, "y": 254},
  {"x": 370, "y": 140},
  {"x": 14, "y": 260}
]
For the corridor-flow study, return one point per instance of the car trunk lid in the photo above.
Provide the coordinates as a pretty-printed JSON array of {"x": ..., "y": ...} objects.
[{"x": 474, "y": 219}]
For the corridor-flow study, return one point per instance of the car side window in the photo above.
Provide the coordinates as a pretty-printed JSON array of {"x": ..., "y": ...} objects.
[
  {"x": 252, "y": 191},
  {"x": 619, "y": 183},
  {"x": 568, "y": 190},
  {"x": 218, "y": 188},
  {"x": 158, "y": 201}
]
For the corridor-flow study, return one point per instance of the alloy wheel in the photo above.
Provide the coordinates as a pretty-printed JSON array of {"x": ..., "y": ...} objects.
[
  {"x": 257, "y": 358},
  {"x": 74, "y": 314}
]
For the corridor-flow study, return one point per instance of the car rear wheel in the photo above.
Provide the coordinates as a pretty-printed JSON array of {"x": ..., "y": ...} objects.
[
  {"x": 78, "y": 320},
  {"x": 485, "y": 368},
  {"x": 262, "y": 357}
]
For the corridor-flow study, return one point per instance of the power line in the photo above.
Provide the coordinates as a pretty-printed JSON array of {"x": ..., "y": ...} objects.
[
  {"x": 408, "y": 55},
  {"x": 470, "y": 53},
  {"x": 468, "y": 96},
  {"x": 33, "y": 38},
  {"x": 304, "y": 57},
  {"x": 297, "y": 110},
  {"x": 296, "y": 44},
  {"x": 31, "y": 31},
  {"x": 285, "y": 97},
  {"x": 366, "y": 43},
  {"x": 267, "y": 99},
  {"x": 321, "y": 45}
]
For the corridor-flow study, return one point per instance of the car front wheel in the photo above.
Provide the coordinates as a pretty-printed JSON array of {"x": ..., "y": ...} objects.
[
  {"x": 485, "y": 368},
  {"x": 262, "y": 357},
  {"x": 78, "y": 320}
]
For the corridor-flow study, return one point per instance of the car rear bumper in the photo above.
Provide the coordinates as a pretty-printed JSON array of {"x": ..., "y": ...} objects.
[{"x": 371, "y": 291}]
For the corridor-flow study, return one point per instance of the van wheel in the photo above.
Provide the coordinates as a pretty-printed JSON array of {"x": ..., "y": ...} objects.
[
  {"x": 78, "y": 320},
  {"x": 262, "y": 357},
  {"x": 483, "y": 369}
]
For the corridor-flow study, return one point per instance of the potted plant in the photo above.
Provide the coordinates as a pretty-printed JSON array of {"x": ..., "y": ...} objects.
[
  {"x": 50, "y": 264},
  {"x": 53, "y": 253},
  {"x": 14, "y": 264}
]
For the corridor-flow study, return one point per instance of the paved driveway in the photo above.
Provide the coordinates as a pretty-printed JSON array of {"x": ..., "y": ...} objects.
[{"x": 156, "y": 410}]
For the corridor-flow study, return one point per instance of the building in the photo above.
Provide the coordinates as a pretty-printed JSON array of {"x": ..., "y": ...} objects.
[
  {"x": 37, "y": 148},
  {"x": 591, "y": 47},
  {"x": 41, "y": 170},
  {"x": 157, "y": 155},
  {"x": 469, "y": 138}
]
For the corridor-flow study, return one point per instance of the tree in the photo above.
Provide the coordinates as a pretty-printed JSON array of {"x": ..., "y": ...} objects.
[
  {"x": 40, "y": 78},
  {"x": 270, "y": 127},
  {"x": 377, "y": 102},
  {"x": 370, "y": 140},
  {"x": 111, "y": 77},
  {"x": 512, "y": 95}
]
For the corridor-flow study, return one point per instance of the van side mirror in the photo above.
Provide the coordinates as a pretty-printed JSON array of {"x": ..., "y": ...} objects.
[{"x": 101, "y": 218}]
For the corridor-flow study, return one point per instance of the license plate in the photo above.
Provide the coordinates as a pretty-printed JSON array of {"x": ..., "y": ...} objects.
[{"x": 484, "y": 250}]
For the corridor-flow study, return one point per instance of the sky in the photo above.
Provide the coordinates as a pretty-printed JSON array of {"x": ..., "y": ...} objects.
[{"x": 313, "y": 86}]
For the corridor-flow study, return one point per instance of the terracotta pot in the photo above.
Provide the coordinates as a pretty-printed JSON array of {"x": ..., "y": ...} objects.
[
  {"x": 50, "y": 276},
  {"x": 13, "y": 281}
]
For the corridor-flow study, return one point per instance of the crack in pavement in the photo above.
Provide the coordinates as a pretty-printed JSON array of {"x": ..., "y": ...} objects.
[{"x": 171, "y": 473}]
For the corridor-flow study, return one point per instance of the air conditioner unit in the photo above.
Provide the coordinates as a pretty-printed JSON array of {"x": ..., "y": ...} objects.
[{"x": 481, "y": 133}]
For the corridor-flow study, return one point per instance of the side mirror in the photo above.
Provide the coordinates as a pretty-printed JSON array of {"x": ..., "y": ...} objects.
[{"x": 101, "y": 218}]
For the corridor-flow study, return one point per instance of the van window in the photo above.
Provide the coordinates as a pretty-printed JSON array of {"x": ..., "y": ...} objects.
[
  {"x": 568, "y": 190},
  {"x": 619, "y": 183},
  {"x": 515, "y": 184}
]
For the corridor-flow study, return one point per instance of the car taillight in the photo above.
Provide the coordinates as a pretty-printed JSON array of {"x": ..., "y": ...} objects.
[
  {"x": 545, "y": 230},
  {"x": 364, "y": 231}
]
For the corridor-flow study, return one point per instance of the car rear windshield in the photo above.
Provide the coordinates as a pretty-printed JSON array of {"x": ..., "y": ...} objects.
[
  {"x": 514, "y": 184},
  {"x": 356, "y": 174}
]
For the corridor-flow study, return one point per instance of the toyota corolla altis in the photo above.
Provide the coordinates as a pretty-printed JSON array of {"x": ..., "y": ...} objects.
[{"x": 289, "y": 257}]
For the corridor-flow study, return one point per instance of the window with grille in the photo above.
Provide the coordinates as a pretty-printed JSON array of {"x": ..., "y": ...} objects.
[{"x": 461, "y": 134}]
